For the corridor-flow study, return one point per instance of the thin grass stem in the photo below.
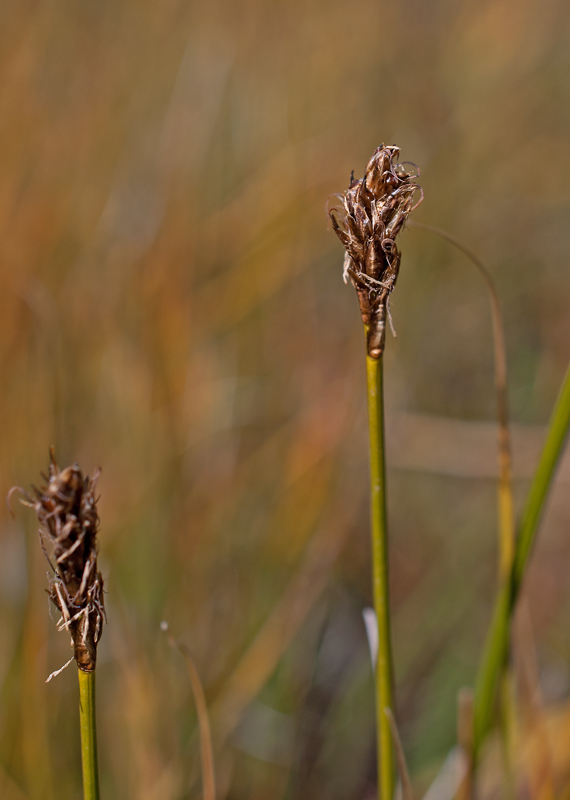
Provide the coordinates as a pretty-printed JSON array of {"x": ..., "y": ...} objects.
[
  {"x": 405, "y": 782},
  {"x": 206, "y": 750},
  {"x": 497, "y": 645},
  {"x": 87, "y": 724},
  {"x": 206, "y": 747},
  {"x": 505, "y": 489},
  {"x": 383, "y": 674}
]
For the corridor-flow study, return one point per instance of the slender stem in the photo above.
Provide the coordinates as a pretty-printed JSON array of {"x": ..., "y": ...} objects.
[
  {"x": 496, "y": 648},
  {"x": 505, "y": 489},
  {"x": 206, "y": 748},
  {"x": 383, "y": 675},
  {"x": 88, "y": 728}
]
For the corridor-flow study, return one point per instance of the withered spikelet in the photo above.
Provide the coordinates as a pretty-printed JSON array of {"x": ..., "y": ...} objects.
[
  {"x": 67, "y": 512},
  {"x": 371, "y": 213}
]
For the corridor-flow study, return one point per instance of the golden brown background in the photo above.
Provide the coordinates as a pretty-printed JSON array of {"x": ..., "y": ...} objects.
[{"x": 172, "y": 309}]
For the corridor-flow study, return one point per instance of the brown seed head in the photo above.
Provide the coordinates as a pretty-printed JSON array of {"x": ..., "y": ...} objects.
[
  {"x": 67, "y": 512},
  {"x": 370, "y": 215}
]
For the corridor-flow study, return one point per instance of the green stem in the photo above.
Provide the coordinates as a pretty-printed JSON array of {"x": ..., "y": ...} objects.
[
  {"x": 383, "y": 675},
  {"x": 88, "y": 728},
  {"x": 497, "y": 645}
]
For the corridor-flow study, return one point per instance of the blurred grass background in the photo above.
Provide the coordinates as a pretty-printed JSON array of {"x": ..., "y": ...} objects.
[{"x": 172, "y": 309}]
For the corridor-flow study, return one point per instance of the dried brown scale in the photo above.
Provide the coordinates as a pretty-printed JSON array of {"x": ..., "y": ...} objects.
[
  {"x": 372, "y": 213},
  {"x": 66, "y": 509}
]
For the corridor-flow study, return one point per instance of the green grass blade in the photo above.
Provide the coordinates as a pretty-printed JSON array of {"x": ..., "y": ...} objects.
[
  {"x": 497, "y": 645},
  {"x": 557, "y": 433}
]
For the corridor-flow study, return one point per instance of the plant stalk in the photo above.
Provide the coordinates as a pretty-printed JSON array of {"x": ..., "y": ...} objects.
[
  {"x": 497, "y": 645},
  {"x": 87, "y": 724},
  {"x": 383, "y": 674}
]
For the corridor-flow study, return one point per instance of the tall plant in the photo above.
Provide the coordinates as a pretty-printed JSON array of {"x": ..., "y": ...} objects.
[
  {"x": 367, "y": 220},
  {"x": 66, "y": 509}
]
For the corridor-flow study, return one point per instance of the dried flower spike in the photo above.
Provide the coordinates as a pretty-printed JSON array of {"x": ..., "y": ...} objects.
[
  {"x": 67, "y": 512},
  {"x": 371, "y": 214}
]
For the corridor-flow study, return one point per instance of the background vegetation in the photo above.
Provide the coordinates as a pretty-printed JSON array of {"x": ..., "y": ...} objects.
[{"x": 172, "y": 309}]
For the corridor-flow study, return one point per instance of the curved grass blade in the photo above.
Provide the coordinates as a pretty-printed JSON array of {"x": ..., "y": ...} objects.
[{"x": 505, "y": 488}]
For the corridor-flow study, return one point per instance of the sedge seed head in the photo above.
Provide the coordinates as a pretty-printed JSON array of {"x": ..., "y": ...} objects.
[
  {"x": 367, "y": 220},
  {"x": 66, "y": 508}
]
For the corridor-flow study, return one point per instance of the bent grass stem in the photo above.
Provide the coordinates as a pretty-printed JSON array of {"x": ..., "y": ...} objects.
[
  {"x": 505, "y": 488},
  {"x": 506, "y": 514}
]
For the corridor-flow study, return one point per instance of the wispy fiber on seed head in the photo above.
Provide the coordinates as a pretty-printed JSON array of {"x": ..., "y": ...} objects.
[
  {"x": 67, "y": 512},
  {"x": 371, "y": 213}
]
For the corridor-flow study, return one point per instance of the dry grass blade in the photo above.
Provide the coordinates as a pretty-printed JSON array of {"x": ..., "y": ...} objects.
[
  {"x": 448, "y": 780},
  {"x": 407, "y": 793},
  {"x": 206, "y": 749}
]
